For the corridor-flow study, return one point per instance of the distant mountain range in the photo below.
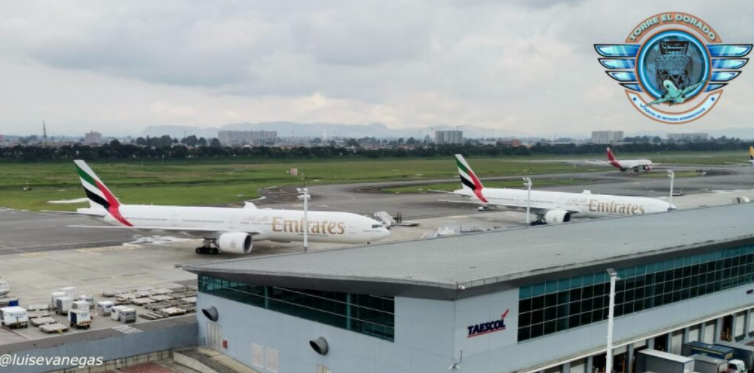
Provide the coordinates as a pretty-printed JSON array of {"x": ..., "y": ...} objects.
[
  {"x": 292, "y": 129},
  {"x": 379, "y": 130}
]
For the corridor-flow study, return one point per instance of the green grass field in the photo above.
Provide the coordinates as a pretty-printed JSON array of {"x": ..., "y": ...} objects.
[
  {"x": 229, "y": 181},
  {"x": 226, "y": 182},
  {"x": 488, "y": 184}
]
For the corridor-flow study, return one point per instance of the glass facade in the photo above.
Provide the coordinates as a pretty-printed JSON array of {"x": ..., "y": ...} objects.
[
  {"x": 560, "y": 305},
  {"x": 366, "y": 314}
]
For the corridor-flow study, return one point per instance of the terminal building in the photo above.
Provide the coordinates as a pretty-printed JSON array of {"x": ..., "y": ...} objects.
[
  {"x": 607, "y": 137},
  {"x": 524, "y": 300}
]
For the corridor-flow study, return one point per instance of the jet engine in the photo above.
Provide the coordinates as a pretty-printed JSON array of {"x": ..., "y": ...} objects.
[
  {"x": 557, "y": 216},
  {"x": 648, "y": 168},
  {"x": 235, "y": 242}
]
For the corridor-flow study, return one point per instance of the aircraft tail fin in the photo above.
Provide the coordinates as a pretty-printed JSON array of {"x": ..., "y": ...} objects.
[
  {"x": 751, "y": 153},
  {"x": 469, "y": 180},
  {"x": 611, "y": 158},
  {"x": 96, "y": 191}
]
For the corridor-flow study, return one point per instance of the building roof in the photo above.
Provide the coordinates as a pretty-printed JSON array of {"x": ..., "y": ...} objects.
[{"x": 460, "y": 266}]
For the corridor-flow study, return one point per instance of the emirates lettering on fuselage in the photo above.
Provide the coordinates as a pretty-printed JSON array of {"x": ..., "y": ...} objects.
[
  {"x": 315, "y": 227},
  {"x": 615, "y": 208}
]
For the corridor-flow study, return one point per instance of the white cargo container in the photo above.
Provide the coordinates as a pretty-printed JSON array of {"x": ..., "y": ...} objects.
[
  {"x": 15, "y": 317},
  {"x": 105, "y": 307},
  {"x": 80, "y": 305},
  {"x": 89, "y": 299},
  {"x": 63, "y": 305},
  {"x": 70, "y": 292},
  {"x": 80, "y": 318},
  {"x": 115, "y": 312},
  {"x": 4, "y": 287},
  {"x": 56, "y": 295}
]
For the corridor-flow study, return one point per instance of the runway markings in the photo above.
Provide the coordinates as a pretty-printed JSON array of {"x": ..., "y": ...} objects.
[{"x": 126, "y": 329}]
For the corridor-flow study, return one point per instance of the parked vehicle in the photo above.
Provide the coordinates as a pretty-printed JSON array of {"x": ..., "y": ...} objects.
[
  {"x": 663, "y": 362},
  {"x": 709, "y": 364},
  {"x": 706, "y": 349},
  {"x": 15, "y": 317},
  {"x": 80, "y": 318},
  {"x": 127, "y": 315},
  {"x": 105, "y": 307},
  {"x": 4, "y": 287},
  {"x": 740, "y": 352}
]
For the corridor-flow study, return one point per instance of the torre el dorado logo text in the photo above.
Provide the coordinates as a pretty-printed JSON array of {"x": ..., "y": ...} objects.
[{"x": 673, "y": 66}]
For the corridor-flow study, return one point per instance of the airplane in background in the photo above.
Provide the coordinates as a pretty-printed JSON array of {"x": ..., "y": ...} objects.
[
  {"x": 231, "y": 230},
  {"x": 635, "y": 164},
  {"x": 553, "y": 207},
  {"x": 751, "y": 158}
]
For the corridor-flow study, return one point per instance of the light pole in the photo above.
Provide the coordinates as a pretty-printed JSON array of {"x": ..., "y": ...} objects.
[
  {"x": 527, "y": 184},
  {"x": 305, "y": 196},
  {"x": 671, "y": 175},
  {"x": 610, "y": 319}
]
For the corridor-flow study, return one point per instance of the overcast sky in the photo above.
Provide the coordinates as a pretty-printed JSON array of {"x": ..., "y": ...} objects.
[{"x": 526, "y": 66}]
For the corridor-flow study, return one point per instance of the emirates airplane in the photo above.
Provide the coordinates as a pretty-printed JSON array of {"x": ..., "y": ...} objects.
[
  {"x": 231, "y": 230},
  {"x": 554, "y": 207}
]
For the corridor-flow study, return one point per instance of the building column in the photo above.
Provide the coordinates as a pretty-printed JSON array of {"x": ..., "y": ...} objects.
[
  {"x": 685, "y": 338},
  {"x": 630, "y": 358},
  {"x": 747, "y": 322},
  {"x": 669, "y": 346},
  {"x": 348, "y": 312},
  {"x": 718, "y": 329},
  {"x": 702, "y": 331},
  {"x": 565, "y": 368},
  {"x": 651, "y": 343},
  {"x": 733, "y": 327},
  {"x": 589, "y": 366},
  {"x": 267, "y": 297}
]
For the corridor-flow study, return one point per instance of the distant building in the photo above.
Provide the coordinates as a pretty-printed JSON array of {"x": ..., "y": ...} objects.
[
  {"x": 448, "y": 137},
  {"x": 688, "y": 137},
  {"x": 93, "y": 138},
  {"x": 2, "y": 138},
  {"x": 606, "y": 137},
  {"x": 237, "y": 138}
]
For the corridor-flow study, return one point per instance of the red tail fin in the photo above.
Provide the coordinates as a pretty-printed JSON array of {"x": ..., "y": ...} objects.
[{"x": 611, "y": 158}]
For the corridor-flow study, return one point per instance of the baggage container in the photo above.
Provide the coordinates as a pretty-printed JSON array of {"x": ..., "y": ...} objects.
[{"x": 15, "y": 317}]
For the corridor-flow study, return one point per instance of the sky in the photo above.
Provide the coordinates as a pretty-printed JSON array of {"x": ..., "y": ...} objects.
[{"x": 524, "y": 66}]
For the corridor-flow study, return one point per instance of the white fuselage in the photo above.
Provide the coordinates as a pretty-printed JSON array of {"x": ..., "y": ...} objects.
[
  {"x": 583, "y": 204},
  {"x": 262, "y": 224},
  {"x": 634, "y": 163}
]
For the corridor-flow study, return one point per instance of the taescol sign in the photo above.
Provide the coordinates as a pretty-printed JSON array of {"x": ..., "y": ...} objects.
[{"x": 488, "y": 327}]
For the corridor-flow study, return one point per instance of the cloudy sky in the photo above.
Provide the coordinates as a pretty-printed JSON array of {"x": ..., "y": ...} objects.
[{"x": 525, "y": 66}]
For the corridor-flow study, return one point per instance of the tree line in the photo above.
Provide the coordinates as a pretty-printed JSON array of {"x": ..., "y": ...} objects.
[{"x": 137, "y": 151}]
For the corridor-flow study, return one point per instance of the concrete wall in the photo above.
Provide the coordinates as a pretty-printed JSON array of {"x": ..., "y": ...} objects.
[
  {"x": 423, "y": 340},
  {"x": 110, "y": 348}
]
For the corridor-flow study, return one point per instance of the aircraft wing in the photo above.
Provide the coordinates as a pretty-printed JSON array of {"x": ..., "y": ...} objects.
[
  {"x": 199, "y": 232},
  {"x": 693, "y": 86},
  {"x": 659, "y": 101},
  {"x": 598, "y": 163},
  {"x": 99, "y": 214},
  {"x": 534, "y": 210}
]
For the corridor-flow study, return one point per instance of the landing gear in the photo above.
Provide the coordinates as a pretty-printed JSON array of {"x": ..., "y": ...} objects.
[
  {"x": 207, "y": 248},
  {"x": 540, "y": 221}
]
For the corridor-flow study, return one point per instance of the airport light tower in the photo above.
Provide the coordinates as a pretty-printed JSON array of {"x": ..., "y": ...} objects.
[
  {"x": 671, "y": 175},
  {"x": 305, "y": 196},
  {"x": 527, "y": 184}
]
